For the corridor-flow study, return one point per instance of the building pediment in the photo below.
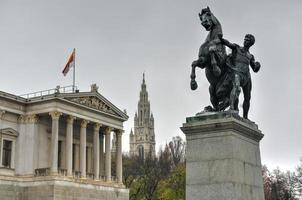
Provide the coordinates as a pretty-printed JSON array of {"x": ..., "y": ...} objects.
[
  {"x": 9, "y": 131},
  {"x": 92, "y": 102},
  {"x": 99, "y": 104}
]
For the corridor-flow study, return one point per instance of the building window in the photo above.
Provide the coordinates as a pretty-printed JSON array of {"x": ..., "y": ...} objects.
[
  {"x": 7, "y": 153},
  {"x": 141, "y": 117},
  {"x": 7, "y": 147},
  {"x": 141, "y": 152}
]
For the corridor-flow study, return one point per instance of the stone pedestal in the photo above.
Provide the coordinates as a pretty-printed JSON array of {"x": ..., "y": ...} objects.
[{"x": 223, "y": 158}]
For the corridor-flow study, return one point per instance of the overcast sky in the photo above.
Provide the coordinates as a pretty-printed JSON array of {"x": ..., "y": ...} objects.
[{"x": 118, "y": 40}]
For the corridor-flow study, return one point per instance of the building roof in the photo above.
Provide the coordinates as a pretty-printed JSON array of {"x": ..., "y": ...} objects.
[{"x": 92, "y": 100}]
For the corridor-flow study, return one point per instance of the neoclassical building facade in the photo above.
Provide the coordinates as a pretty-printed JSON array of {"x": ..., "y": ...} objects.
[
  {"x": 59, "y": 142},
  {"x": 142, "y": 141}
]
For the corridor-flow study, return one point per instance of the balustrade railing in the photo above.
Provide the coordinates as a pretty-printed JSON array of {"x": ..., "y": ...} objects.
[
  {"x": 113, "y": 178},
  {"x": 75, "y": 174},
  {"x": 103, "y": 178},
  {"x": 58, "y": 89},
  {"x": 62, "y": 172},
  {"x": 42, "y": 172},
  {"x": 90, "y": 175}
]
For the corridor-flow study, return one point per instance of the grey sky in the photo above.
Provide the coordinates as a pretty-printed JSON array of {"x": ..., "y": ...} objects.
[{"x": 117, "y": 41}]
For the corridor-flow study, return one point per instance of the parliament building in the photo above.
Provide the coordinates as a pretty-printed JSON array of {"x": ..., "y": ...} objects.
[{"x": 55, "y": 144}]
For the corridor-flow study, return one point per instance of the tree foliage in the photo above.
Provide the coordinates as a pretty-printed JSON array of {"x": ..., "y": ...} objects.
[
  {"x": 161, "y": 177},
  {"x": 280, "y": 185}
]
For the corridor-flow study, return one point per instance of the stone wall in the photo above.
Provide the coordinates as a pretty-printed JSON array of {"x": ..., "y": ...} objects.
[
  {"x": 59, "y": 190},
  {"x": 10, "y": 192},
  {"x": 73, "y": 193}
]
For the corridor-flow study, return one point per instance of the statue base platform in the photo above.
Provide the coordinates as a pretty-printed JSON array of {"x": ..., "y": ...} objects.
[{"x": 222, "y": 157}]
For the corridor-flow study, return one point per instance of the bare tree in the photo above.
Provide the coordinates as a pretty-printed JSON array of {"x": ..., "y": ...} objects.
[
  {"x": 299, "y": 179},
  {"x": 177, "y": 148},
  {"x": 279, "y": 185}
]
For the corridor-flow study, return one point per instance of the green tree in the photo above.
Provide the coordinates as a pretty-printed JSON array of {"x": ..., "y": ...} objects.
[
  {"x": 161, "y": 177},
  {"x": 173, "y": 188}
]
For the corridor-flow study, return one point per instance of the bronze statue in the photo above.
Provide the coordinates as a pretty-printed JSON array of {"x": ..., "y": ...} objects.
[
  {"x": 225, "y": 73},
  {"x": 211, "y": 56},
  {"x": 238, "y": 73}
]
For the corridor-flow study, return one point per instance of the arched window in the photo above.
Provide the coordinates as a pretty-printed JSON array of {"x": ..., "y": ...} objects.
[{"x": 141, "y": 117}]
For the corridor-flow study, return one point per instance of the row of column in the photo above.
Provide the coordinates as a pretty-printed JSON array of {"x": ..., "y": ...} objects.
[{"x": 96, "y": 148}]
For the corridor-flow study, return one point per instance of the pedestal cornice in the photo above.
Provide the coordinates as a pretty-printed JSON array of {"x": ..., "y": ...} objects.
[{"x": 208, "y": 123}]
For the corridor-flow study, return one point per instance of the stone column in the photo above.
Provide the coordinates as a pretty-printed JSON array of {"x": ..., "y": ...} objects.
[
  {"x": 96, "y": 151},
  {"x": 32, "y": 141},
  {"x": 54, "y": 141},
  {"x": 222, "y": 157},
  {"x": 69, "y": 139},
  {"x": 119, "y": 164},
  {"x": 108, "y": 155},
  {"x": 83, "y": 148}
]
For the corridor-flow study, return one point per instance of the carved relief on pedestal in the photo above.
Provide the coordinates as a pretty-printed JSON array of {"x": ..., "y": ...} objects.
[{"x": 93, "y": 102}]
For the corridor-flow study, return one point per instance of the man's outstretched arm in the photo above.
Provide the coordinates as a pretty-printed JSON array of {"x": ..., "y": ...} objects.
[{"x": 227, "y": 43}]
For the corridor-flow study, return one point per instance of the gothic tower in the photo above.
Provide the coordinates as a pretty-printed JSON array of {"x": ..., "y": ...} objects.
[{"x": 142, "y": 140}]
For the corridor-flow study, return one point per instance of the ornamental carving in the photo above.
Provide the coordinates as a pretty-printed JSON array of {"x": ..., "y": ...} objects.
[
  {"x": 93, "y": 102},
  {"x": 30, "y": 119},
  {"x": 9, "y": 131}
]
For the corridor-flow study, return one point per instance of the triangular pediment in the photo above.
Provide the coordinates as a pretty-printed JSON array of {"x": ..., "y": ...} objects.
[
  {"x": 97, "y": 102},
  {"x": 9, "y": 131}
]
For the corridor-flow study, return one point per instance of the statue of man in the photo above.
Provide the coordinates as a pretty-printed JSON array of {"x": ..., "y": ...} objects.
[{"x": 238, "y": 74}]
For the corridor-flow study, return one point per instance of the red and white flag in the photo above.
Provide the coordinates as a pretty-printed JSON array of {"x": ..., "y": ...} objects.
[{"x": 70, "y": 63}]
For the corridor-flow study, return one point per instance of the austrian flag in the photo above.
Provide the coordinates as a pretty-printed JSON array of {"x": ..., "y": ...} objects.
[{"x": 70, "y": 63}]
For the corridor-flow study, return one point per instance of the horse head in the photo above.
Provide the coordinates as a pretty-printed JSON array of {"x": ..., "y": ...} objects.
[{"x": 208, "y": 20}]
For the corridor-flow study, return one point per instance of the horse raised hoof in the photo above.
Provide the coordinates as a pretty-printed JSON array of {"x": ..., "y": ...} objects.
[
  {"x": 193, "y": 84},
  {"x": 216, "y": 71}
]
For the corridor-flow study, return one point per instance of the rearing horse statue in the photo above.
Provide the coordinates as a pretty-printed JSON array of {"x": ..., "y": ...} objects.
[{"x": 211, "y": 57}]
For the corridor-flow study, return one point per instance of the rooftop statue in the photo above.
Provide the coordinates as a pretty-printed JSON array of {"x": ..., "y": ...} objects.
[{"x": 225, "y": 73}]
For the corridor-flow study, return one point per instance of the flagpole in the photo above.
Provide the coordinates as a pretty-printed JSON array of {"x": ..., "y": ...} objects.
[{"x": 73, "y": 87}]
